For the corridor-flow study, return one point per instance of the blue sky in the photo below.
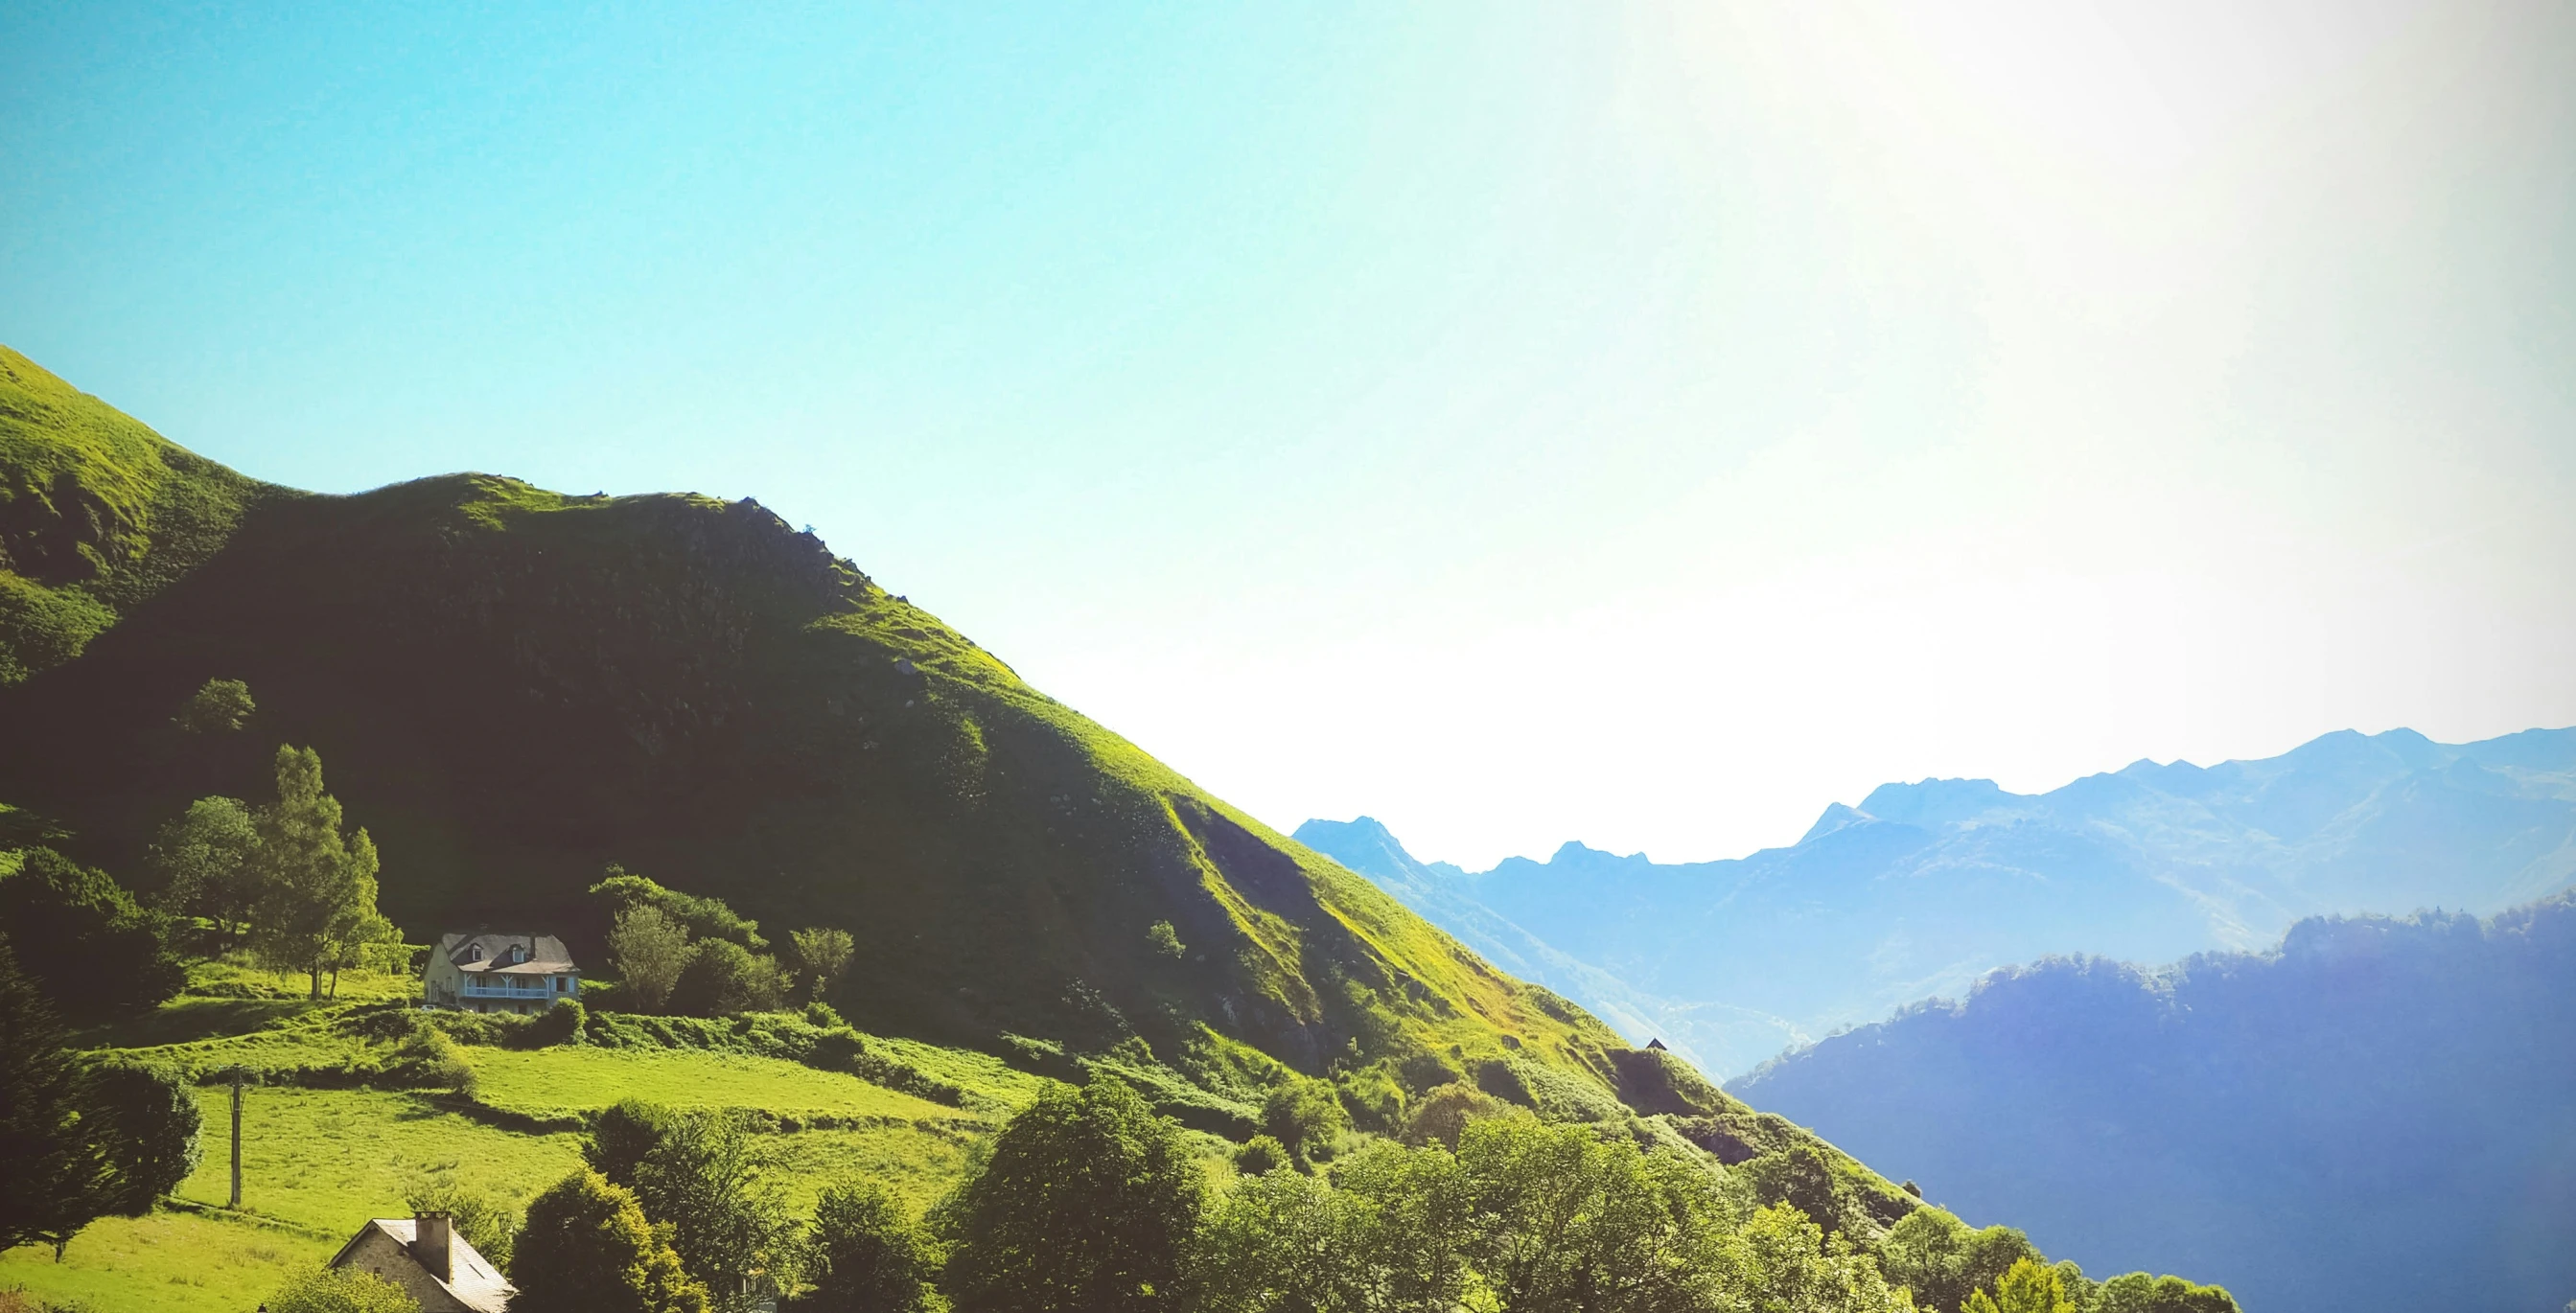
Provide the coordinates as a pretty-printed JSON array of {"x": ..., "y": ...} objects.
[{"x": 1642, "y": 424}]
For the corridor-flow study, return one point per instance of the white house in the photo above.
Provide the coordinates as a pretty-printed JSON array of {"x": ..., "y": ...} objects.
[
  {"x": 488, "y": 972},
  {"x": 426, "y": 1257}
]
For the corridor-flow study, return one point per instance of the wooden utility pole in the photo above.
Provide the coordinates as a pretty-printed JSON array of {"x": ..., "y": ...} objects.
[{"x": 237, "y": 1100}]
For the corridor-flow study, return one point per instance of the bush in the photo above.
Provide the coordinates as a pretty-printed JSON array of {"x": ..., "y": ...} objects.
[
  {"x": 1442, "y": 1114},
  {"x": 560, "y": 1024},
  {"x": 429, "y": 1060},
  {"x": 488, "y": 1224},
  {"x": 1306, "y": 1117},
  {"x": 1082, "y": 1203},
  {"x": 863, "y": 1253},
  {"x": 86, "y": 942},
  {"x": 1263, "y": 1154},
  {"x": 340, "y": 1290},
  {"x": 723, "y": 979},
  {"x": 146, "y": 1123},
  {"x": 586, "y": 1248}
]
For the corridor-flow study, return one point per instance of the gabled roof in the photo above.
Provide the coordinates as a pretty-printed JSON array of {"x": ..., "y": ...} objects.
[
  {"x": 546, "y": 954},
  {"x": 473, "y": 1281}
]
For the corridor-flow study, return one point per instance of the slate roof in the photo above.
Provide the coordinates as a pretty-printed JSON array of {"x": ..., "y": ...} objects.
[
  {"x": 546, "y": 954},
  {"x": 473, "y": 1282}
]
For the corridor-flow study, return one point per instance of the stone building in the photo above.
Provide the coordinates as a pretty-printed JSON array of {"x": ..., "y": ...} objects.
[{"x": 426, "y": 1257}]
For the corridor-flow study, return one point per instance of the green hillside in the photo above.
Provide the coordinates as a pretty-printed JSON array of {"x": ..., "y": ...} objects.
[
  {"x": 514, "y": 688},
  {"x": 97, "y": 514}
]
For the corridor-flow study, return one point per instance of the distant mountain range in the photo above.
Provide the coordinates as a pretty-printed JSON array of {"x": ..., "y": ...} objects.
[
  {"x": 2378, "y": 1114},
  {"x": 1925, "y": 886}
]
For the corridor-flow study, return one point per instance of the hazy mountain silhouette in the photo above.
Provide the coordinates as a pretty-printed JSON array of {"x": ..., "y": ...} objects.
[
  {"x": 1924, "y": 886},
  {"x": 2379, "y": 1113}
]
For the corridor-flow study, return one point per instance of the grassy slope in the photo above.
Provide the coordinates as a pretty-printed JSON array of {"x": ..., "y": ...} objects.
[
  {"x": 513, "y": 688},
  {"x": 97, "y": 514}
]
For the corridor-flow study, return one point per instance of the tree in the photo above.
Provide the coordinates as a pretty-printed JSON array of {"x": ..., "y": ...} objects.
[
  {"x": 317, "y": 908},
  {"x": 587, "y": 1249},
  {"x": 648, "y": 949},
  {"x": 94, "y": 950},
  {"x": 144, "y": 1121},
  {"x": 341, "y": 1290},
  {"x": 1441, "y": 1115},
  {"x": 54, "y": 1173},
  {"x": 219, "y": 706},
  {"x": 722, "y": 979},
  {"x": 703, "y": 917},
  {"x": 1943, "y": 1261},
  {"x": 2026, "y": 1287},
  {"x": 825, "y": 953},
  {"x": 2139, "y": 1293},
  {"x": 623, "y": 1136},
  {"x": 1565, "y": 1219},
  {"x": 1781, "y": 1259},
  {"x": 1796, "y": 1176},
  {"x": 205, "y": 859},
  {"x": 1305, "y": 1116},
  {"x": 487, "y": 1223},
  {"x": 1165, "y": 941},
  {"x": 702, "y": 1178},
  {"x": 864, "y": 1254},
  {"x": 1085, "y": 1200}
]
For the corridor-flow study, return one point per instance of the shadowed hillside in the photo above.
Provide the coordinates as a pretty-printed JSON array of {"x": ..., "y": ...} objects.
[
  {"x": 2376, "y": 1114},
  {"x": 514, "y": 688}
]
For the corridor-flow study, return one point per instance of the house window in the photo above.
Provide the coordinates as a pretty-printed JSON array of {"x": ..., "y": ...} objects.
[{"x": 560, "y": 986}]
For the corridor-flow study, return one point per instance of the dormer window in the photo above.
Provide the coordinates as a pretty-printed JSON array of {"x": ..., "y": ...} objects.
[{"x": 473, "y": 952}]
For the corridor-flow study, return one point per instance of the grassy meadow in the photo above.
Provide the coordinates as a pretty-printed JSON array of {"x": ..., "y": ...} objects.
[{"x": 318, "y": 1162}]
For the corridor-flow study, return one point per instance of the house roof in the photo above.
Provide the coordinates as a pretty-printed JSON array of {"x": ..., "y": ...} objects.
[
  {"x": 472, "y": 1280},
  {"x": 546, "y": 954}
]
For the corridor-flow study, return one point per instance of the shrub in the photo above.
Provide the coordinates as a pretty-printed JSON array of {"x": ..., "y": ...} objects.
[
  {"x": 1306, "y": 1117},
  {"x": 560, "y": 1024},
  {"x": 587, "y": 1249},
  {"x": 86, "y": 942},
  {"x": 1441, "y": 1115},
  {"x": 341, "y": 1290},
  {"x": 1083, "y": 1201},
  {"x": 146, "y": 1122},
  {"x": 723, "y": 979},
  {"x": 429, "y": 1060},
  {"x": 487, "y": 1223},
  {"x": 863, "y": 1252},
  {"x": 1264, "y": 1153}
]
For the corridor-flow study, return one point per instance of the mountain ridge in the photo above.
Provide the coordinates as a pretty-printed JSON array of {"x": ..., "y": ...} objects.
[{"x": 1929, "y": 883}]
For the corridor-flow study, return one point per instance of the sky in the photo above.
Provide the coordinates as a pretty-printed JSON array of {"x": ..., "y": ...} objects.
[{"x": 1640, "y": 424}]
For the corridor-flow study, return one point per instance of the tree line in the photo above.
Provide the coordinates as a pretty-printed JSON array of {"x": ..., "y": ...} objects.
[{"x": 1087, "y": 1201}]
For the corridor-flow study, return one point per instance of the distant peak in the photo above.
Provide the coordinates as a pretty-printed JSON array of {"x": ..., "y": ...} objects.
[{"x": 1837, "y": 816}]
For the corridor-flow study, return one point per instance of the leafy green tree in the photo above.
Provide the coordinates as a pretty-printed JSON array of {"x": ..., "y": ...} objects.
[
  {"x": 487, "y": 1223},
  {"x": 623, "y": 1136},
  {"x": 85, "y": 940},
  {"x": 648, "y": 949},
  {"x": 1780, "y": 1259},
  {"x": 722, "y": 979},
  {"x": 1280, "y": 1242},
  {"x": 1164, "y": 941},
  {"x": 1085, "y": 1200},
  {"x": 1442, "y": 1114},
  {"x": 703, "y": 1180},
  {"x": 341, "y": 1290},
  {"x": 1565, "y": 1219},
  {"x": 317, "y": 908},
  {"x": 864, "y": 1254},
  {"x": 53, "y": 1172},
  {"x": 1796, "y": 1176},
  {"x": 586, "y": 1248},
  {"x": 705, "y": 918},
  {"x": 824, "y": 953},
  {"x": 1943, "y": 1261},
  {"x": 219, "y": 706},
  {"x": 2139, "y": 1293},
  {"x": 205, "y": 859},
  {"x": 1305, "y": 1116},
  {"x": 2026, "y": 1287},
  {"x": 1263, "y": 1153},
  {"x": 144, "y": 1121}
]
